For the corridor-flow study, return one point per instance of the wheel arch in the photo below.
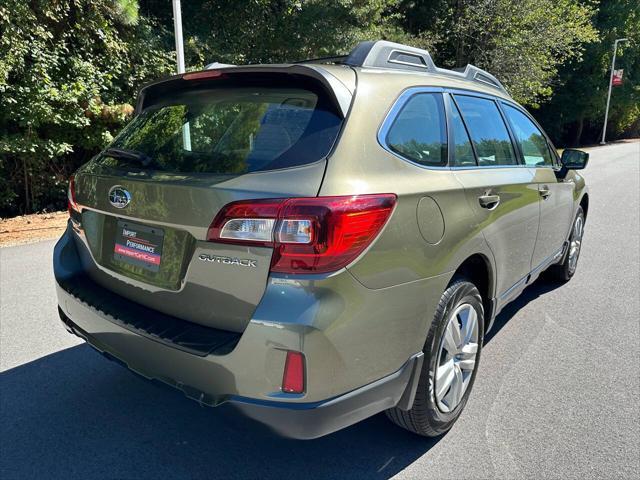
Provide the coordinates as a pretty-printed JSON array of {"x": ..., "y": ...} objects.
[
  {"x": 478, "y": 269},
  {"x": 584, "y": 203}
]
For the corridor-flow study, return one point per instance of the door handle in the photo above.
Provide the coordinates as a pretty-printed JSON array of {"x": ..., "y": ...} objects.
[
  {"x": 545, "y": 192},
  {"x": 489, "y": 201}
]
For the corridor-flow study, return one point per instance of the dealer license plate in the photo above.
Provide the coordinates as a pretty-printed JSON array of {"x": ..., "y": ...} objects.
[{"x": 139, "y": 245}]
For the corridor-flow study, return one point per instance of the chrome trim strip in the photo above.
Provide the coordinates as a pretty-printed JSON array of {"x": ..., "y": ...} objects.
[
  {"x": 508, "y": 291},
  {"x": 549, "y": 260},
  {"x": 545, "y": 263},
  {"x": 393, "y": 112},
  {"x": 400, "y": 102},
  {"x": 489, "y": 167}
]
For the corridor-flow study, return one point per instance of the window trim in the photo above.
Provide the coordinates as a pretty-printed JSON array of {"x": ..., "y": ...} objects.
[
  {"x": 555, "y": 158},
  {"x": 396, "y": 109},
  {"x": 503, "y": 107},
  {"x": 514, "y": 146},
  {"x": 495, "y": 98},
  {"x": 451, "y": 103},
  {"x": 447, "y": 96}
]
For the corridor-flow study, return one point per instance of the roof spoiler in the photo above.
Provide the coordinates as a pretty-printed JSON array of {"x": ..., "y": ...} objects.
[
  {"x": 384, "y": 54},
  {"x": 337, "y": 90}
]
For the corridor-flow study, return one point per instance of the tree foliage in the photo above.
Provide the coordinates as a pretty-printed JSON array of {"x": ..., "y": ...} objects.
[
  {"x": 68, "y": 72},
  {"x": 521, "y": 42},
  {"x": 70, "y": 69},
  {"x": 268, "y": 31},
  {"x": 575, "y": 113}
]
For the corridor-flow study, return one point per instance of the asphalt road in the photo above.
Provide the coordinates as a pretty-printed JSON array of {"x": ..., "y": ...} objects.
[{"x": 557, "y": 394}]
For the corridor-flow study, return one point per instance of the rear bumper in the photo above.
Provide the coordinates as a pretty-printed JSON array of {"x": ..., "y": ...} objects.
[
  {"x": 313, "y": 420},
  {"x": 244, "y": 369},
  {"x": 304, "y": 420}
]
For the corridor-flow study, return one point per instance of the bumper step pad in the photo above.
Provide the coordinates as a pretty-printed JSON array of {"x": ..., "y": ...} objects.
[{"x": 181, "y": 334}]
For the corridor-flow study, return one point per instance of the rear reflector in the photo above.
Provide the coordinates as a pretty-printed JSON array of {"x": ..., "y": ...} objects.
[
  {"x": 293, "y": 377},
  {"x": 308, "y": 235}
]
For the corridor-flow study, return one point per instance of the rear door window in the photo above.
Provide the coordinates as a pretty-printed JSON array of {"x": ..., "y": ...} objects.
[
  {"x": 488, "y": 131},
  {"x": 229, "y": 131},
  {"x": 532, "y": 142},
  {"x": 419, "y": 132}
]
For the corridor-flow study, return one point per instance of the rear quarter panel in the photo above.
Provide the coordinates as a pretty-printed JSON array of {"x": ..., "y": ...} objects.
[{"x": 360, "y": 165}]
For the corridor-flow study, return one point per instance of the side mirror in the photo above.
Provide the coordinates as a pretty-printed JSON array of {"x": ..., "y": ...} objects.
[{"x": 574, "y": 159}]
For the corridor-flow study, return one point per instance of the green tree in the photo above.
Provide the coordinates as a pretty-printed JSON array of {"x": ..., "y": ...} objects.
[
  {"x": 523, "y": 43},
  {"x": 575, "y": 113},
  {"x": 266, "y": 31},
  {"x": 69, "y": 70}
]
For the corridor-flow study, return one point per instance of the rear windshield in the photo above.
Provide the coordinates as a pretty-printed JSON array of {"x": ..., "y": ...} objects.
[{"x": 228, "y": 131}]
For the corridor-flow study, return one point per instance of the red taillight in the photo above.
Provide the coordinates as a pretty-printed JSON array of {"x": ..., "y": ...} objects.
[
  {"x": 293, "y": 377},
  {"x": 72, "y": 204},
  {"x": 308, "y": 235},
  {"x": 341, "y": 228}
]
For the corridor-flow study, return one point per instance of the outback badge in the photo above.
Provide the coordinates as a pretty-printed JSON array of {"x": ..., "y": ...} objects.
[{"x": 240, "y": 262}]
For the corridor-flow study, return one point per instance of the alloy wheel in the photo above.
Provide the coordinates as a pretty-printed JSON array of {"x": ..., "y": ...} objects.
[
  {"x": 575, "y": 243},
  {"x": 456, "y": 357}
]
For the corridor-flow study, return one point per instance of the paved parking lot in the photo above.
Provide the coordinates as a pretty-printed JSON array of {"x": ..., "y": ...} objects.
[{"x": 557, "y": 395}]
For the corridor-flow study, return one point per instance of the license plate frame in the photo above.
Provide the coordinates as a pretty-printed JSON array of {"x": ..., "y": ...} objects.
[{"x": 138, "y": 245}]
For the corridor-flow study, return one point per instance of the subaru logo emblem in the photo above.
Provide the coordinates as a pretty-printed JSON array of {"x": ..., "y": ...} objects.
[{"x": 119, "y": 197}]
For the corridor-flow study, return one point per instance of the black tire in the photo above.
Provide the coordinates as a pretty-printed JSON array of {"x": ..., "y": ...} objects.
[
  {"x": 425, "y": 417},
  {"x": 563, "y": 271}
]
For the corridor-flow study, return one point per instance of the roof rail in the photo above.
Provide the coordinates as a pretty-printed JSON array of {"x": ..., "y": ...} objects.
[
  {"x": 384, "y": 54},
  {"x": 331, "y": 59}
]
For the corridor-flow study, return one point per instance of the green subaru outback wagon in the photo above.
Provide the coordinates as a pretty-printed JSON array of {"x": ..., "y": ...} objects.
[{"x": 317, "y": 242}]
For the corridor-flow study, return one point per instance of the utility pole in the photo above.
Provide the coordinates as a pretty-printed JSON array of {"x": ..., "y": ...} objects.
[
  {"x": 613, "y": 66},
  {"x": 177, "y": 29}
]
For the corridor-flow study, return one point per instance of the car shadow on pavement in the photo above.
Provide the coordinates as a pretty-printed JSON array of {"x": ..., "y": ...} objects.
[
  {"x": 73, "y": 414},
  {"x": 533, "y": 291}
]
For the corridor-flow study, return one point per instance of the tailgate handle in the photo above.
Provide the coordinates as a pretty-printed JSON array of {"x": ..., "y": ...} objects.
[{"x": 489, "y": 201}]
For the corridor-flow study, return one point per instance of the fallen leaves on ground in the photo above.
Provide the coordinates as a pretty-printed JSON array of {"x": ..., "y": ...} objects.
[{"x": 32, "y": 228}]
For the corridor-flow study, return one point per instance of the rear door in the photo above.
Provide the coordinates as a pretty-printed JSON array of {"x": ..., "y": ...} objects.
[
  {"x": 501, "y": 192},
  {"x": 556, "y": 197},
  {"x": 149, "y": 199}
]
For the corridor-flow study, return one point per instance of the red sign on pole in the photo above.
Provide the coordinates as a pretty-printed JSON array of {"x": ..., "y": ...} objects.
[{"x": 616, "y": 81}]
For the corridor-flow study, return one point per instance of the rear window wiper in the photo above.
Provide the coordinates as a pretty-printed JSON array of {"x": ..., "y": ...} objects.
[{"x": 142, "y": 158}]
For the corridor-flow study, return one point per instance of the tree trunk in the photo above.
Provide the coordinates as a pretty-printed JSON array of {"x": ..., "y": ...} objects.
[
  {"x": 460, "y": 39},
  {"x": 27, "y": 196},
  {"x": 580, "y": 127}
]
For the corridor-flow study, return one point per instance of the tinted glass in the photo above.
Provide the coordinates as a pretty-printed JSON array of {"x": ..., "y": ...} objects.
[
  {"x": 419, "y": 131},
  {"x": 488, "y": 131},
  {"x": 229, "y": 131},
  {"x": 463, "y": 152},
  {"x": 532, "y": 143}
]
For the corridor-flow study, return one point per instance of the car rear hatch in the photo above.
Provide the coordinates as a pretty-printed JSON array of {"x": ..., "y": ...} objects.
[{"x": 198, "y": 142}]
